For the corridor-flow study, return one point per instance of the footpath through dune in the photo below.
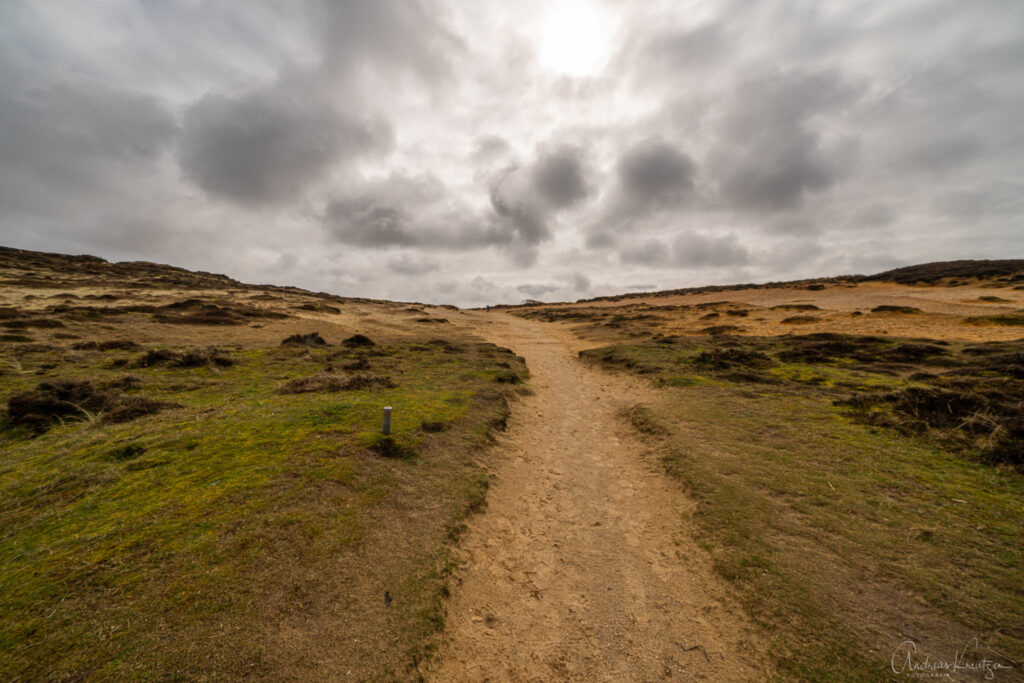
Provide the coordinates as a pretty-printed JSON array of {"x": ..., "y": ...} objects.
[{"x": 582, "y": 566}]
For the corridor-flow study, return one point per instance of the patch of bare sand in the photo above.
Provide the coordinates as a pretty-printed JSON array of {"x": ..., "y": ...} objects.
[
  {"x": 583, "y": 567},
  {"x": 842, "y": 308}
]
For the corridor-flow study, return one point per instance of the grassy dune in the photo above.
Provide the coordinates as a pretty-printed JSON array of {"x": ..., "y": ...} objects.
[
  {"x": 849, "y": 517},
  {"x": 166, "y": 544},
  {"x": 202, "y": 501}
]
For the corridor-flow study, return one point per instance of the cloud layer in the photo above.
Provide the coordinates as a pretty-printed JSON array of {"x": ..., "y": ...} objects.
[{"x": 474, "y": 153}]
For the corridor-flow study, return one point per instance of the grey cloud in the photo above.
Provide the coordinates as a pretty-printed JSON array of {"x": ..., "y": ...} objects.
[
  {"x": 58, "y": 133},
  {"x": 525, "y": 198},
  {"x": 487, "y": 147},
  {"x": 944, "y": 152},
  {"x": 482, "y": 284},
  {"x": 406, "y": 265},
  {"x": 655, "y": 171},
  {"x": 399, "y": 210},
  {"x": 559, "y": 177},
  {"x": 515, "y": 203},
  {"x": 535, "y": 290},
  {"x": 162, "y": 131},
  {"x": 688, "y": 250},
  {"x": 409, "y": 36},
  {"x": 600, "y": 239},
  {"x": 522, "y": 255},
  {"x": 792, "y": 224},
  {"x": 874, "y": 214},
  {"x": 652, "y": 252},
  {"x": 974, "y": 203},
  {"x": 269, "y": 146},
  {"x": 447, "y": 286},
  {"x": 769, "y": 156},
  {"x": 685, "y": 48},
  {"x": 580, "y": 282},
  {"x": 696, "y": 250},
  {"x": 652, "y": 177}
]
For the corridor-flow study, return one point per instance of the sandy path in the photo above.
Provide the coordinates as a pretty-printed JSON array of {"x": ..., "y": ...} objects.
[{"x": 581, "y": 567}]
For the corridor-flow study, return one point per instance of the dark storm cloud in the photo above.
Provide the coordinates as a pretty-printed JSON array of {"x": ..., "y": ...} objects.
[{"x": 269, "y": 146}]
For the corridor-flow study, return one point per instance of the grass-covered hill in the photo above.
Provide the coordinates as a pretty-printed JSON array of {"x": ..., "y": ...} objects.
[{"x": 193, "y": 482}]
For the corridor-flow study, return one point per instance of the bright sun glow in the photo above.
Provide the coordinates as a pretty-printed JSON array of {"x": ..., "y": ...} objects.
[{"x": 575, "y": 39}]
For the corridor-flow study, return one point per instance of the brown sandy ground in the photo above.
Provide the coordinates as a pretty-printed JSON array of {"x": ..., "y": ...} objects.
[
  {"x": 583, "y": 566},
  {"x": 955, "y": 313}
]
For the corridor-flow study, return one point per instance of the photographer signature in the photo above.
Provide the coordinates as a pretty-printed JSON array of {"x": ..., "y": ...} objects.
[{"x": 905, "y": 660}]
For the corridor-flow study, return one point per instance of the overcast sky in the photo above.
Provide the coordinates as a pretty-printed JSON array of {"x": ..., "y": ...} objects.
[{"x": 491, "y": 151}]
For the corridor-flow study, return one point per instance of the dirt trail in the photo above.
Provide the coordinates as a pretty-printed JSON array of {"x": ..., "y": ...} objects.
[{"x": 582, "y": 567}]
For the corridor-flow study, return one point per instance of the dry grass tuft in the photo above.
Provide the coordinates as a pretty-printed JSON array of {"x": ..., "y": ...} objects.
[{"x": 327, "y": 382}]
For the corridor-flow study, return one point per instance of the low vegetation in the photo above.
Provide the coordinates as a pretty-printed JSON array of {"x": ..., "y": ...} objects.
[
  {"x": 857, "y": 490},
  {"x": 182, "y": 520}
]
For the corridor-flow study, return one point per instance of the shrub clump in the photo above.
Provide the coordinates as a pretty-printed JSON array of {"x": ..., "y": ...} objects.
[
  {"x": 718, "y": 330},
  {"x": 199, "y": 312},
  {"x": 358, "y": 341},
  {"x": 979, "y": 419},
  {"x": 37, "y": 409},
  {"x": 24, "y": 323},
  {"x": 187, "y": 358},
  {"x": 723, "y": 359},
  {"x": 388, "y": 447},
  {"x": 311, "y": 339},
  {"x": 327, "y": 382},
  {"x": 895, "y": 309},
  {"x": 796, "y": 307},
  {"x": 1006, "y": 320},
  {"x": 109, "y": 345}
]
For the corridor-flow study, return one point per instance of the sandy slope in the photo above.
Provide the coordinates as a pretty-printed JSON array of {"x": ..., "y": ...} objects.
[{"x": 581, "y": 567}]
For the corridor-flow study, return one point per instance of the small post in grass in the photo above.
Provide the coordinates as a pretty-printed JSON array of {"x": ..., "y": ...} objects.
[{"x": 386, "y": 426}]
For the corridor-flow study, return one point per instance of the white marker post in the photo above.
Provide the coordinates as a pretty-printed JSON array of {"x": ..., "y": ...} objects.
[{"x": 386, "y": 426}]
